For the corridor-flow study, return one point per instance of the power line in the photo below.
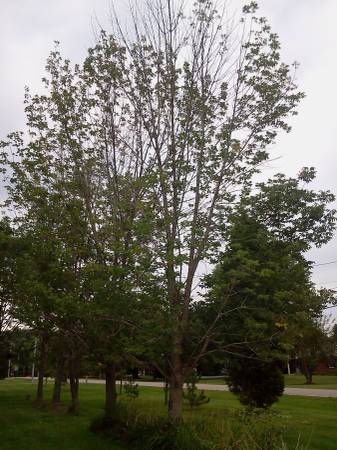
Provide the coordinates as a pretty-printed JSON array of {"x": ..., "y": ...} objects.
[
  {"x": 325, "y": 264},
  {"x": 332, "y": 306}
]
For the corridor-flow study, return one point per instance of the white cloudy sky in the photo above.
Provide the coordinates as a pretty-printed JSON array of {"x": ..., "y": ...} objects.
[{"x": 308, "y": 35}]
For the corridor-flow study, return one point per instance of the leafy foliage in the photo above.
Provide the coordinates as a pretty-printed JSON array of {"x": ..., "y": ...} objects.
[{"x": 293, "y": 212}]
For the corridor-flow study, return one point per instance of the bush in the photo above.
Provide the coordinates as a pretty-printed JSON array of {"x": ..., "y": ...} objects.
[
  {"x": 257, "y": 384},
  {"x": 192, "y": 394}
]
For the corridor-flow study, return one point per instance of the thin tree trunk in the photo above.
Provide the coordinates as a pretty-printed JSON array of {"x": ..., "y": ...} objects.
[
  {"x": 39, "y": 393},
  {"x": 308, "y": 378},
  {"x": 42, "y": 357},
  {"x": 56, "y": 400},
  {"x": 307, "y": 373},
  {"x": 110, "y": 389},
  {"x": 166, "y": 391},
  {"x": 58, "y": 383},
  {"x": 73, "y": 379}
]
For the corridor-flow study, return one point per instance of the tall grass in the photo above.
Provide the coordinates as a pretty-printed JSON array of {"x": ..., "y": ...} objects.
[{"x": 200, "y": 430}]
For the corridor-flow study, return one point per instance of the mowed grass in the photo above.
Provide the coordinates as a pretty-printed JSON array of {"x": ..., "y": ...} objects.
[
  {"x": 25, "y": 427},
  {"x": 319, "y": 382}
]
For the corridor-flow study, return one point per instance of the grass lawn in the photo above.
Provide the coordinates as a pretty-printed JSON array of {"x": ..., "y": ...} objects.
[
  {"x": 320, "y": 382},
  {"x": 23, "y": 427}
]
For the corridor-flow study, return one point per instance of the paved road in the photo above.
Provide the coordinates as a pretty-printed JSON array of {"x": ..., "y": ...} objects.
[
  {"x": 305, "y": 392},
  {"x": 222, "y": 387}
]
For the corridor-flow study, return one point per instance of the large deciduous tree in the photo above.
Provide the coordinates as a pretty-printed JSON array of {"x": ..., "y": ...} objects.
[{"x": 208, "y": 101}]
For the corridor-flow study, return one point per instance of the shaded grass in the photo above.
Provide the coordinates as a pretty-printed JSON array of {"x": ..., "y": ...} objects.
[{"x": 24, "y": 427}]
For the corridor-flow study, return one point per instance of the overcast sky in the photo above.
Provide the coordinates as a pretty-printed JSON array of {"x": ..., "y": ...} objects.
[{"x": 307, "y": 30}]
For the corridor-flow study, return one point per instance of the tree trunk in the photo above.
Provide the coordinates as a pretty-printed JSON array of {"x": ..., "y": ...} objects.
[
  {"x": 308, "y": 378},
  {"x": 166, "y": 391},
  {"x": 42, "y": 358},
  {"x": 176, "y": 383},
  {"x": 307, "y": 372},
  {"x": 175, "y": 401},
  {"x": 58, "y": 383},
  {"x": 110, "y": 389},
  {"x": 73, "y": 379},
  {"x": 39, "y": 393}
]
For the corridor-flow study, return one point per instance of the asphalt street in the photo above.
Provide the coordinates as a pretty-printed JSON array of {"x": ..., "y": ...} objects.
[{"x": 306, "y": 392}]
